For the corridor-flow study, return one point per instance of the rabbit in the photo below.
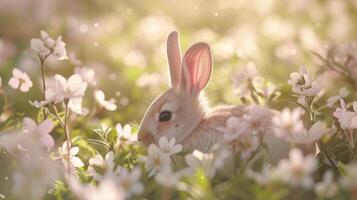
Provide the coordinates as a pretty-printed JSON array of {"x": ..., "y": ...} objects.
[{"x": 182, "y": 111}]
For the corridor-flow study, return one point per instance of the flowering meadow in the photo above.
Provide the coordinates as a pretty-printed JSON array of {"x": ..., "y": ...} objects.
[{"x": 77, "y": 79}]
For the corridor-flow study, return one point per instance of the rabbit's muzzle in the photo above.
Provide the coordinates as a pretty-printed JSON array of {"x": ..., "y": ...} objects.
[{"x": 145, "y": 138}]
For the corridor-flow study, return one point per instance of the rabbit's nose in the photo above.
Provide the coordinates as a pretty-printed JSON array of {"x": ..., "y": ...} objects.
[{"x": 145, "y": 137}]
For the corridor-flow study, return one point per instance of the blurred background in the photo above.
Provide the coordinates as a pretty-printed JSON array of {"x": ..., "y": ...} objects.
[{"x": 124, "y": 42}]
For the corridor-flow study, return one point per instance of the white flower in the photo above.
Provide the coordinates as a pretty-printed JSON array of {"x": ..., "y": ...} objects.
[
  {"x": 100, "y": 98},
  {"x": 333, "y": 100},
  {"x": 315, "y": 133},
  {"x": 106, "y": 190},
  {"x": 87, "y": 74},
  {"x": 156, "y": 160},
  {"x": 72, "y": 88},
  {"x": 349, "y": 180},
  {"x": 35, "y": 170},
  {"x": 290, "y": 127},
  {"x": 47, "y": 40},
  {"x": 348, "y": 119},
  {"x": 167, "y": 178},
  {"x": 130, "y": 181},
  {"x": 288, "y": 123},
  {"x": 209, "y": 162},
  {"x": 247, "y": 145},
  {"x": 39, "y": 45},
  {"x": 74, "y": 161},
  {"x": 297, "y": 170},
  {"x": 20, "y": 80},
  {"x": 263, "y": 178},
  {"x": 241, "y": 79},
  {"x": 168, "y": 146},
  {"x": 42, "y": 131},
  {"x": 327, "y": 188},
  {"x": 38, "y": 104},
  {"x": 105, "y": 164},
  {"x": 302, "y": 83},
  {"x": 35, "y": 173},
  {"x": 59, "y": 50},
  {"x": 339, "y": 111},
  {"x": 125, "y": 134},
  {"x": 46, "y": 46},
  {"x": 244, "y": 132},
  {"x": 257, "y": 120},
  {"x": 235, "y": 127}
]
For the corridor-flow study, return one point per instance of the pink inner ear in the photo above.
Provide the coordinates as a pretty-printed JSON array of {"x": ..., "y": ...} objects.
[{"x": 199, "y": 65}]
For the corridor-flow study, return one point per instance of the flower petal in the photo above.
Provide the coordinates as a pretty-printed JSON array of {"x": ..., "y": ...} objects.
[
  {"x": 14, "y": 82},
  {"x": 45, "y": 127},
  {"x": 47, "y": 141}
]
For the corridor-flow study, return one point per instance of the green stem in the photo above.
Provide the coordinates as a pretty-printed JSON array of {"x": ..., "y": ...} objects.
[
  {"x": 68, "y": 138},
  {"x": 324, "y": 151},
  {"x": 166, "y": 194},
  {"x": 320, "y": 142},
  {"x": 42, "y": 63},
  {"x": 58, "y": 117},
  {"x": 250, "y": 158}
]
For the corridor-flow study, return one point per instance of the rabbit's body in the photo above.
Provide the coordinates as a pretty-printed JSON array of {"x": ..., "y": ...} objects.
[
  {"x": 207, "y": 133},
  {"x": 182, "y": 112}
]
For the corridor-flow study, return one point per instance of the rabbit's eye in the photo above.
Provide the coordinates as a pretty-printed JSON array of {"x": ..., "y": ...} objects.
[{"x": 165, "y": 116}]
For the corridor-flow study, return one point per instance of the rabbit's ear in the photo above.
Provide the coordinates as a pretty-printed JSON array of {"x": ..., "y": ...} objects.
[
  {"x": 174, "y": 58},
  {"x": 197, "y": 67}
]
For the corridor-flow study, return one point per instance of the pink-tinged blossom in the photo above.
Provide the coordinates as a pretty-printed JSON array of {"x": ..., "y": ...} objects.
[
  {"x": 347, "y": 118},
  {"x": 46, "y": 46},
  {"x": 235, "y": 127},
  {"x": 87, "y": 74},
  {"x": 297, "y": 170},
  {"x": 244, "y": 132},
  {"x": 243, "y": 78},
  {"x": 334, "y": 99},
  {"x": 288, "y": 123},
  {"x": 303, "y": 84},
  {"x": 71, "y": 90},
  {"x": 290, "y": 127},
  {"x": 315, "y": 133},
  {"x": 41, "y": 130},
  {"x": 59, "y": 50},
  {"x": 130, "y": 181},
  {"x": 20, "y": 80},
  {"x": 107, "y": 104}
]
